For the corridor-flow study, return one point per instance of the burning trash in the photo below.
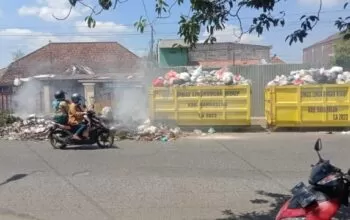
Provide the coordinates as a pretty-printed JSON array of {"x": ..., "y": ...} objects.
[
  {"x": 335, "y": 75},
  {"x": 32, "y": 128},
  {"x": 198, "y": 77}
]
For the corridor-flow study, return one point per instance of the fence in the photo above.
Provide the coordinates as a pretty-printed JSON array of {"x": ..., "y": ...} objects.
[{"x": 260, "y": 76}]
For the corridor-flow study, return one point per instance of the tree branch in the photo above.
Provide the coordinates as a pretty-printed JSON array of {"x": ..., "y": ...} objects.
[
  {"x": 318, "y": 14},
  {"x": 169, "y": 10},
  {"x": 306, "y": 27},
  {"x": 91, "y": 8},
  {"x": 67, "y": 16},
  {"x": 236, "y": 15}
]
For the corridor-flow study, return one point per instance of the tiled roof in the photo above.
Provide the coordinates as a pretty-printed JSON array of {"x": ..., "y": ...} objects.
[
  {"x": 55, "y": 58},
  {"x": 328, "y": 39},
  {"x": 276, "y": 60}
]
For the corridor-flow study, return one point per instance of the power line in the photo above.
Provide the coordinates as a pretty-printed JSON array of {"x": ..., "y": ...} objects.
[
  {"x": 164, "y": 23},
  {"x": 111, "y": 34}
]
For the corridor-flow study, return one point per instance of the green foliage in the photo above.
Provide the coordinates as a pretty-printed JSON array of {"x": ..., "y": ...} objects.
[
  {"x": 6, "y": 118},
  {"x": 141, "y": 24},
  {"x": 91, "y": 22},
  {"x": 213, "y": 15},
  {"x": 342, "y": 54}
]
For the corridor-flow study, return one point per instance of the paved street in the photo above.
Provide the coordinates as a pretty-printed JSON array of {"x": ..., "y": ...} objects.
[{"x": 237, "y": 176}]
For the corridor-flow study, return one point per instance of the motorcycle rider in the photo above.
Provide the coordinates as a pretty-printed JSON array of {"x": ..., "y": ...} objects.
[
  {"x": 61, "y": 107},
  {"x": 76, "y": 116}
]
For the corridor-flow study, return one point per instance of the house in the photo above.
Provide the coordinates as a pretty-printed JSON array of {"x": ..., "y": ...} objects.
[
  {"x": 321, "y": 53},
  {"x": 177, "y": 53},
  {"x": 74, "y": 67},
  {"x": 276, "y": 60}
]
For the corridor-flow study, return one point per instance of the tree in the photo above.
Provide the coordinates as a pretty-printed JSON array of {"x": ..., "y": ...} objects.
[
  {"x": 213, "y": 15},
  {"x": 17, "y": 55},
  {"x": 342, "y": 54}
]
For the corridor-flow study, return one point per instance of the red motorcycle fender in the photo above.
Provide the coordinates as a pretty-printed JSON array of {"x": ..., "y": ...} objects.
[
  {"x": 284, "y": 212},
  {"x": 321, "y": 211}
]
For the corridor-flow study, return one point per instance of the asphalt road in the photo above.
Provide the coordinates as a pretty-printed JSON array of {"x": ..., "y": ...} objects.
[{"x": 237, "y": 176}]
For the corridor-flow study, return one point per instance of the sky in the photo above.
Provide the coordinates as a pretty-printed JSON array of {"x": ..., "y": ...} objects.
[{"x": 29, "y": 25}]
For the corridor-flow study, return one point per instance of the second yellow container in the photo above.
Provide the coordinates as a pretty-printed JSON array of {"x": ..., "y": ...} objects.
[{"x": 307, "y": 106}]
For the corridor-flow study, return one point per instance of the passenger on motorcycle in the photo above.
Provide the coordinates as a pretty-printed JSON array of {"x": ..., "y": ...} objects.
[
  {"x": 61, "y": 107},
  {"x": 76, "y": 117}
]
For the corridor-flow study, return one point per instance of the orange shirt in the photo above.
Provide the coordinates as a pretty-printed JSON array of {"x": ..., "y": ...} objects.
[{"x": 75, "y": 114}]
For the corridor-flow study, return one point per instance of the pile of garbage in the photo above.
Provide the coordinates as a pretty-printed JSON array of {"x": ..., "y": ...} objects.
[
  {"x": 335, "y": 75},
  {"x": 37, "y": 128},
  {"x": 148, "y": 132},
  {"x": 198, "y": 77},
  {"x": 32, "y": 128}
]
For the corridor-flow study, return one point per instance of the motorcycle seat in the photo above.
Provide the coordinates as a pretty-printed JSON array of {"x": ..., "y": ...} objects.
[{"x": 65, "y": 127}]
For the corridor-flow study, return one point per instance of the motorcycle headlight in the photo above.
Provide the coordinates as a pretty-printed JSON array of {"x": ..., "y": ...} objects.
[{"x": 296, "y": 218}]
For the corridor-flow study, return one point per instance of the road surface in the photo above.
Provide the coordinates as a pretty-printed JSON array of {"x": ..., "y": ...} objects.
[{"x": 237, "y": 176}]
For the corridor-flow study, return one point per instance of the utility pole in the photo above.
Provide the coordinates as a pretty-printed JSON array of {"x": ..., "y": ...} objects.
[{"x": 151, "y": 52}]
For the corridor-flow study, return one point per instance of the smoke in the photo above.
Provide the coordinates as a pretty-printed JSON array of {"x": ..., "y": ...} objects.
[
  {"x": 26, "y": 99},
  {"x": 130, "y": 105}
]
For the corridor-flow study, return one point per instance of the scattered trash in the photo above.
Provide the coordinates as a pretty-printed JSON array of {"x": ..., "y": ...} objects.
[
  {"x": 32, "y": 128},
  {"x": 198, "y": 77},
  {"x": 335, "y": 75},
  {"x": 148, "y": 132},
  {"x": 37, "y": 128},
  {"x": 197, "y": 132},
  {"x": 211, "y": 131}
]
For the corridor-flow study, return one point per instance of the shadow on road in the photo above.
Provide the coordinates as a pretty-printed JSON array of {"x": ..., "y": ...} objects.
[
  {"x": 275, "y": 204},
  {"x": 275, "y": 200},
  {"x": 14, "y": 178},
  {"x": 89, "y": 147}
]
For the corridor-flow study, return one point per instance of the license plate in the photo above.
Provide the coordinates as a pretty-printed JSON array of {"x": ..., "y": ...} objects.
[{"x": 303, "y": 195}]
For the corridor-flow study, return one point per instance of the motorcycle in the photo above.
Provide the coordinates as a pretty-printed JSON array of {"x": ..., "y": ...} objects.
[
  {"x": 61, "y": 135},
  {"x": 328, "y": 189}
]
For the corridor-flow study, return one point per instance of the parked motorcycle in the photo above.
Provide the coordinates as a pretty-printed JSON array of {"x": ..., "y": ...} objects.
[
  {"x": 321, "y": 200},
  {"x": 61, "y": 135}
]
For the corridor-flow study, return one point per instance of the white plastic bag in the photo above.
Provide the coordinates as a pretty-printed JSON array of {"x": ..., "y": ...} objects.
[
  {"x": 197, "y": 72},
  {"x": 336, "y": 69},
  {"x": 193, "y": 79},
  {"x": 308, "y": 79},
  {"x": 185, "y": 76},
  {"x": 17, "y": 82},
  {"x": 227, "y": 78},
  {"x": 200, "y": 79}
]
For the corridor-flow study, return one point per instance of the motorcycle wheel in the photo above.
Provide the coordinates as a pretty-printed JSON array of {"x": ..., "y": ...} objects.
[
  {"x": 105, "y": 140},
  {"x": 54, "y": 142}
]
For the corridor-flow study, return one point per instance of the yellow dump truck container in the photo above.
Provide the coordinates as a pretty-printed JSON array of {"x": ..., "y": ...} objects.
[
  {"x": 307, "y": 106},
  {"x": 204, "y": 105}
]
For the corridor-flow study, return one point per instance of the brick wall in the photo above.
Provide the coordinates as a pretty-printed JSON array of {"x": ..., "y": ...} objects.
[
  {"x": 319, "y": 55},
  {"x": 230, "y": 53}
]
